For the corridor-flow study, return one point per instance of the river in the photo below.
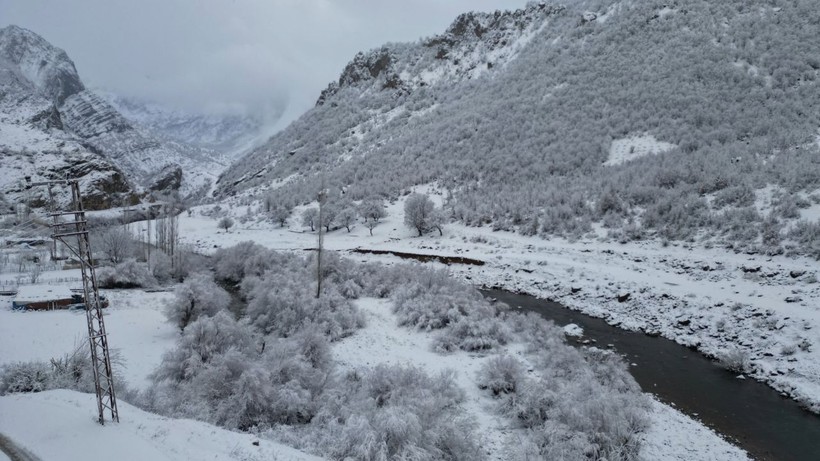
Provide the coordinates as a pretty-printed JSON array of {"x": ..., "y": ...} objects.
[{"x": 751, "y": 414}]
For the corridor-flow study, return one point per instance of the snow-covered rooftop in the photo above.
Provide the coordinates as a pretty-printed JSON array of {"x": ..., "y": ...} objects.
[{"x": 41, "y": 293}]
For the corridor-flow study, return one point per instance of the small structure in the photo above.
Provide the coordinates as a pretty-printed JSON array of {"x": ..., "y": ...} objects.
[{"x": 44, "y": 297}]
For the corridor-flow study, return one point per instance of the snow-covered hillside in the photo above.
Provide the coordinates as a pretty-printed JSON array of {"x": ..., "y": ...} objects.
[{"x": 529, "y": 117}]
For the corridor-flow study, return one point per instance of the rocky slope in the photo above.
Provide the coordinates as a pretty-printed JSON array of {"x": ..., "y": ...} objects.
[{"x": 53, "y": 127}]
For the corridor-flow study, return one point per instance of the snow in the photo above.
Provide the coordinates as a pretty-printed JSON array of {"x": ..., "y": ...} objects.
[
  {"x": 40, "y": 293},
  {"x": 138, "y": 333},
  {"x": 636, "y": 146},
  {"x": 62, "y": 425},
  {"x": 666, "y": 11},
  {"x": 673, "y": 436},
  {"x": 573, "y": 330}
]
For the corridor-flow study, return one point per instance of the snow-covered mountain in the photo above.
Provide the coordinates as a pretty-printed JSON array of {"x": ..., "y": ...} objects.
[
  {"x": 35, "y": 79},
  {"x": 659, "y": 118},
  {"x": 51, "y": 126},
  {"x": 224, "y": 134}
]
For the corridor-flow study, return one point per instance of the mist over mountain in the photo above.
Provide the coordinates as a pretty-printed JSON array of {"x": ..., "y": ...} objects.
[
  {"x": 222, "y": 133},
  {"x": 545, "y": 121}
]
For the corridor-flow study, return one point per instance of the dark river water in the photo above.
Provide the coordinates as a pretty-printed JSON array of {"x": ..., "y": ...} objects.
[{"x": 749, "y": 413}]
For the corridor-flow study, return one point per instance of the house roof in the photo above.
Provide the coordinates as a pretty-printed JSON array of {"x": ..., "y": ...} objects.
[{"x": 41, "y": 293}]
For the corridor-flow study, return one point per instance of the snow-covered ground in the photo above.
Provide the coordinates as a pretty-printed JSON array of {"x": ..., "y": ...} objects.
[
  {"x": 61, "y": 425},
  {"x": 709, "y": 298},
  {"x": 628, "y": 149},
  {"x": 138, "y": 333}
]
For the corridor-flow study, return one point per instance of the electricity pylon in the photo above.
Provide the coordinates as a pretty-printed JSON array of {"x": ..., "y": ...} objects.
[{"x": 74, "y": 235}]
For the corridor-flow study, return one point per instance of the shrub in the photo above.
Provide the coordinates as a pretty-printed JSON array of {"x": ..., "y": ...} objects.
[
  {"x": 199, "y": 295},
  {"x": 735, "y": 359},
  {"x": 395, "y": 412},
  {"x": 24, "y": 377},
  {"x": 501, "y": 374},
  {"x": 127, "y": 274},
  {"x": 282, "y": 304},
  {"x": 220, "y": 372},
  {"x": 71, "y": 371},
  {"x": 473, "y": 333}
]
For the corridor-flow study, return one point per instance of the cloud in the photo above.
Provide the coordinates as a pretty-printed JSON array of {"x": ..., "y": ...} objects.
[{"x": 228, "y": 56}]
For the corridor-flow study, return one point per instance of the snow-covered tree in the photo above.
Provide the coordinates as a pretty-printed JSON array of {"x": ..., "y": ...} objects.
[
  {"x": 372, "y": 209},
  {"x": 310, "y": 217},
  {"x": 347, "y": 217},
  {"x": 418, "y": 212},
  {"x": 280, "y": 214},
  {"x": 198, "y": 296},
  {"x": 225, "y": 223}
]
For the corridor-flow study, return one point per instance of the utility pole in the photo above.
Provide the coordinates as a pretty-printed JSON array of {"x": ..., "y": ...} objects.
[
  {"x": 321, "y": 198},
  {"x": 74, "y": 235}
]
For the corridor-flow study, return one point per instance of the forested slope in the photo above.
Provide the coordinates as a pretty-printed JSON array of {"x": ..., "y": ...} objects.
[{"x": 543, "y": 121}]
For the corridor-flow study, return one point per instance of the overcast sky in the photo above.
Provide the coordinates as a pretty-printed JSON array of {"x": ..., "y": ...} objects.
[{"x": 228, "y": 55}]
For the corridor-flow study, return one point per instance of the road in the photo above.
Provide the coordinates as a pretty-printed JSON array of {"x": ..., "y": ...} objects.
[{"x": 13, "y": 452}]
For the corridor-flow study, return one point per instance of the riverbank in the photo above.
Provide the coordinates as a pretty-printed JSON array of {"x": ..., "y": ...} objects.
[{"x": 765, "y": 309}]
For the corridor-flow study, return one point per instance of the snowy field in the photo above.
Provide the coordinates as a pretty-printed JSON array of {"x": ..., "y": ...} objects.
[
  {"x": 712, "y": 299},
  {"x": 61, "y": 425},
  {"x": 138, "y": 333}
]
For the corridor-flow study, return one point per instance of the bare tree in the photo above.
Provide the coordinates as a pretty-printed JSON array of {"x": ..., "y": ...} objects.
[
  {"x": 34, "y": 273},
  {"x": 116, "y": 243}
]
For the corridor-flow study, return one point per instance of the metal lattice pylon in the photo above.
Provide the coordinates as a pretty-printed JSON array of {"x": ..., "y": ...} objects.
[{"x": 74, "y": 235}]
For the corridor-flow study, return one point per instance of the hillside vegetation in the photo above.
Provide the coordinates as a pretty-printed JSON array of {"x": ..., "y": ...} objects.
[{"x": 515, "y": 115}]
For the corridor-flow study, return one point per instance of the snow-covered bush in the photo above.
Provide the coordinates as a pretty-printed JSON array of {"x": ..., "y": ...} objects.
[
  {"x": 127, "y": 274},
  {"x": 393, "y": 412},
  {"x": 161, "y": 266},
  {"x": 479, "y": 331},
  {"x": 243, "y": 259},
  {"x": 202, "y": 341},
  {"x": 283, "y": 304},
  {"x": 735, "y": 359},
  {"x": 807, "y": 236},
  {"x": 433, "y": 300},
  {"x": 24, "y": 377},
  {"x": 501, "y": 374},
  {"x": 577, "y": 403},
  {"x": 198, "y": 296},
  {"x": 221, "y": 371},
  {"x": 71, "y": 371}
]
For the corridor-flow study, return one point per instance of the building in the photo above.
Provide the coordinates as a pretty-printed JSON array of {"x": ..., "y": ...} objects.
[{"x": 44, "y": 297}]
